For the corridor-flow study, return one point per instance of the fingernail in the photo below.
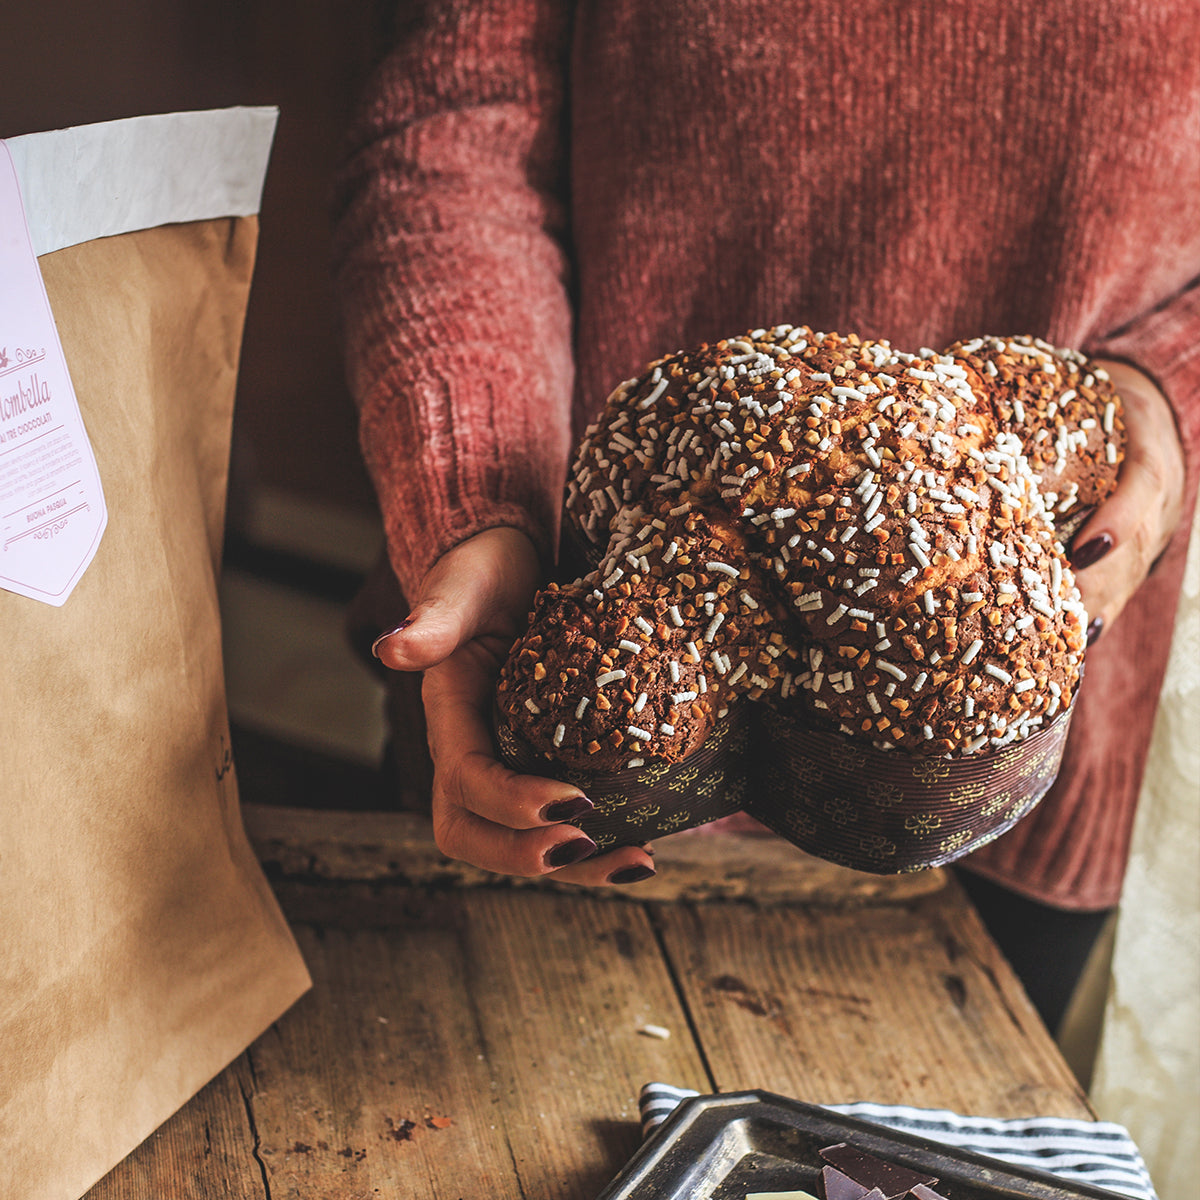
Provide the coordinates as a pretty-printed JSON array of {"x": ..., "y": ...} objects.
[
  {"x": 1092, "y": 551},
  {"x": 1067, "y": 527},
  {"x": 566, "y": 853},
  {"x": 567, "y": 810},
  {"x": 384, "y": 636},
  {"x": 631, "y": 874},
  {"x": 1094, "y": 630}
]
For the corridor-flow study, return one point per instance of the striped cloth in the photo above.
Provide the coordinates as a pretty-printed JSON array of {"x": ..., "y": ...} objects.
[{"x": 1094, "y": 1152}]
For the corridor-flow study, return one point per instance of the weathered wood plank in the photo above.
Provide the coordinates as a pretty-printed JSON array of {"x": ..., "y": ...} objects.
[
  {"x": 477, "y": 1043},
  {"x": 486, "y": 1041},
  {"x": 296, "y": 843},
  {"x": 351, "y": 1088},
  {"x": 206, "y": 1149},
  {"x": 564, "y": 988},
  {"x": 904, "y": 1004}
]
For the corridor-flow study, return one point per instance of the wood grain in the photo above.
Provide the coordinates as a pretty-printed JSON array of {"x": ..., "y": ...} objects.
[
  {"x": 565, "y": 986},
  {"x": 352, "y": 1086},
  {"x": 902, "y": 1004},
  {"x": 485, "y": 1041},
  {"x": 481, "y": 1043},
  {"x": 205, "y": 1150},
  {"x": 296, "y": 843}
]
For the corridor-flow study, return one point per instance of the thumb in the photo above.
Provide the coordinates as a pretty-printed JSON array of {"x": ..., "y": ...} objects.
[
  {"x": 482, "y": 585},
  {"x": 429, "y": 634}
]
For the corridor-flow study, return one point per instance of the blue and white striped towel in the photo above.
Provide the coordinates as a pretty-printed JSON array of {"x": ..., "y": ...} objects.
[{"x": 1095, "y": 1152}]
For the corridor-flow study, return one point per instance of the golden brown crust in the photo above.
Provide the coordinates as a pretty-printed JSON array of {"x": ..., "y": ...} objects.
[
  {"x": 651, "y": 648},
  {"x": 866, "y": 533}
]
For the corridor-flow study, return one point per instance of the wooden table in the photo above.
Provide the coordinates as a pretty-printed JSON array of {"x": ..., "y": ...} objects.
[{"x": 466, "y": 1041}]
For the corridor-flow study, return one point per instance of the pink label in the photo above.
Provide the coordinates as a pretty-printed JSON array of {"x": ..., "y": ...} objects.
[{"x": 52, "y": 511}]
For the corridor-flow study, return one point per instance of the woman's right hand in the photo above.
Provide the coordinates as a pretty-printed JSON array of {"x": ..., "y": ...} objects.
[{"x": 472, "y": 606}]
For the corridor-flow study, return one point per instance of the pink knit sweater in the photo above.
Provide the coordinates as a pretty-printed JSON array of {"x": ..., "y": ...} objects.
[{"x": 541, "y": 197}]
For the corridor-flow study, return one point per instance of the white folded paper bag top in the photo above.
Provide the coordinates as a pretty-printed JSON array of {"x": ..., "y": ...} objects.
[
  {"x": 58, "y": 190},
  {"x": 141, "y": 172}
]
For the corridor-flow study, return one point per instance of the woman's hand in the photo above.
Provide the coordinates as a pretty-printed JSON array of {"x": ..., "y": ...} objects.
[
  {"x": 1115, "y": 548},
  {"x": 473, "y": 605}
]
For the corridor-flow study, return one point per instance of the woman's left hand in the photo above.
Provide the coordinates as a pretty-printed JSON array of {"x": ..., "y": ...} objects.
[{"x": 1115, "y": 548}]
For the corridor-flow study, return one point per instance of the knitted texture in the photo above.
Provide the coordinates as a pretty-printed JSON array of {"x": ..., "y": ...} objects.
[{"x": 537, "y": 200}]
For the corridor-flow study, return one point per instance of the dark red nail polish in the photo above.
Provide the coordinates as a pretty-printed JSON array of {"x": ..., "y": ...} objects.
[
  {"x": 1094, "y": 630},
  {"x": 567, "y": 810},
  {"x": 1092, "y": 551},
  {"x": 403, "y": 625},
  {"x": 566, "y": 853},
  {"x": 631, "y": 874}
]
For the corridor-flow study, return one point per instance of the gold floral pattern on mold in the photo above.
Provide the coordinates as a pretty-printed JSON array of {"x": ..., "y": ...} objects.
[
  {"x": 840, "y": 810},
  {"x": 876, "y": 846},
  {"x": 653, "y": 772},
  {"x": 884, "y": 794},
  {"x": 967, "y": 793},
  {"x": 609, "y": 804},
  {"x": 847, "y": 758},
  {"x": 922, "y": 822},
  {"x": 800, "y": 823},
  {"x": 995, "y": 803},
  {"x": 807, "y": 770},
  {"x": 716, "y": 739},
  {"x": 956, "y": 841},
  {"x": 930, "y": 770},
  {"x": 684, "y": 779}
]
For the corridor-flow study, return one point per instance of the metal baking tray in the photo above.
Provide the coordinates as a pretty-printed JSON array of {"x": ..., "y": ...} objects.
[{"x": 721, "y": 1147}]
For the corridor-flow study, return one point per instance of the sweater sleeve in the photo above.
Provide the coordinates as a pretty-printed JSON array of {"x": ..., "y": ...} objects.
[{"x": 451, "y": 277}]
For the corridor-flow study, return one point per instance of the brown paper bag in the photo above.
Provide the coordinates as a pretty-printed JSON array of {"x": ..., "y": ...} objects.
[{"x": 140, "y": 947}]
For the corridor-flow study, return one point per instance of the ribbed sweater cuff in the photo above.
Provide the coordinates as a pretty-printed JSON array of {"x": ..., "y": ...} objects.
[
  {"x": 451, "y": 455},
  {"x": 414, "y": 546}
]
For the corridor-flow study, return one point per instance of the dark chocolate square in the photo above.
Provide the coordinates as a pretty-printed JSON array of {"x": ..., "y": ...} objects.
[
  {"x": 893, "y": 1180},
  {"x": 837, "y": 1186}
]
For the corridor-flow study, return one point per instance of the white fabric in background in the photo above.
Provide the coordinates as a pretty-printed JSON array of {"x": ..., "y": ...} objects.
[{"x": 1147, "y": 1073}]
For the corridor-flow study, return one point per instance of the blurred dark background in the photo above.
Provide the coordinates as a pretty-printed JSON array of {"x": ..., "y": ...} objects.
[{"x": 75, "y": 63}]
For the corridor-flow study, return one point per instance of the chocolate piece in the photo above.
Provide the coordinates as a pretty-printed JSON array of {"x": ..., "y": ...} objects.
[
  {"x": 840, "y": 1187},
  {"x": 893, "y": 1180},
  {"x": 923, "y": 1191}
]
